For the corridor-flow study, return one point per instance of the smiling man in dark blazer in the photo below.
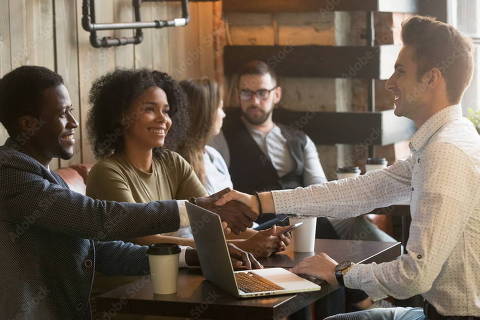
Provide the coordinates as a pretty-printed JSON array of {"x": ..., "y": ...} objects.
[{"x": 48, "y": 233}]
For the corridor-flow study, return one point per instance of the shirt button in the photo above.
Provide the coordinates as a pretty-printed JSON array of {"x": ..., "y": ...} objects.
[
  {"x": 88, "y": 263},
  {"x": 418, "y": 160},
  {"x": 419, "y": 256},
  {"x": 413, "y": 189}
]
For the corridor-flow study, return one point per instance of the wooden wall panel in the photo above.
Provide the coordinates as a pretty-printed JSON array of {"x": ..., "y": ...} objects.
[
  {"x": 32, "y": 32},
  {"x": 205, "y": 27},
  {"x": 191, "y": 44},
  {"x": 5, "y": 60},
  {"x": 27, "y": 36},
  {"x": 144, "y": 51},
  {"x": 67, "y": 63},
  {"x": 176, "y": 43},
  {"x": 161, "y": 51},
  {"x": 250, "y": 29},
  {"x": 124, "y": 55},
  {"x": 31, "y": 36},
  {"x": 93, "y": 63}
]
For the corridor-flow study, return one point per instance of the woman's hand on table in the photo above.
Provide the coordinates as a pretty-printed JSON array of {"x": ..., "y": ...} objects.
[
  {"x": 266, "y": 242},
  {"x": 241, "y": 259}
]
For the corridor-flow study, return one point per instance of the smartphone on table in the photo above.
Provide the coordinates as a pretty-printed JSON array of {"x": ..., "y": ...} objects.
[{"x": 290, "y": 228}]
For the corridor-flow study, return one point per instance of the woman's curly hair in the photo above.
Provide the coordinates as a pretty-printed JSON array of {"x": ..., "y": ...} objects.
[{"x": 111, "y": 97}]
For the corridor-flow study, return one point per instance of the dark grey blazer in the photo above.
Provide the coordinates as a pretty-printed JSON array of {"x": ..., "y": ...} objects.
[{"x": 52, "y": 239}]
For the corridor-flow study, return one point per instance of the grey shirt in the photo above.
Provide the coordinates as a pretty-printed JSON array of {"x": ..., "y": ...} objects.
[{"x": 274, "y": 145}]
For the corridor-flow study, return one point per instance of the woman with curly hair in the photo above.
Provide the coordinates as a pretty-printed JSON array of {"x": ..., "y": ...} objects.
[
  {"x": 134, "y": 116},
  {"x": 131, "y": 114}
]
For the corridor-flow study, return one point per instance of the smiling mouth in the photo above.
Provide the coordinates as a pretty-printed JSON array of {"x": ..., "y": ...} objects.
[
  {"x": 157, "y": 131},
  {"x": 68, "y": 139}
]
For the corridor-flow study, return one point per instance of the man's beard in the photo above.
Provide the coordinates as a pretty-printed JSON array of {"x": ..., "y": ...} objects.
[{"x": 256, "y": 120}]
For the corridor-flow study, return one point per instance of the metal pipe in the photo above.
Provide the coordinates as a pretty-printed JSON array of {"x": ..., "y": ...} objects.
[{"x": 88, "y": 23}]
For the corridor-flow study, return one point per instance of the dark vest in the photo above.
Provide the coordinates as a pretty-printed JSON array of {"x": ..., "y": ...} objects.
[{"x": 250, "y": 169}]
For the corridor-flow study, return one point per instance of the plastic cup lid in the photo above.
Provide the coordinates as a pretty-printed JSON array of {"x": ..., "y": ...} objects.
[
  {"x": 163, "y": 249},
  {"x": 381, "y": 161},
  {"x": 348, "y": 170}
]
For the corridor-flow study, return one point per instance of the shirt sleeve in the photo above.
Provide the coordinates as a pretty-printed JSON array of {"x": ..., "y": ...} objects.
[
  {"x": 31, "y": 199},
  {"x": 442, "y": 205},
  {"x": 349, "y": 197},
  {"x": 121, "y": 258},
  {"x": 313, "y": 171}
]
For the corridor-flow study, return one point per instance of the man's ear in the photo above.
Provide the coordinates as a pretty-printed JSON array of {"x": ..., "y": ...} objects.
[
  {"x": 277, "y": 95},
  {"x": 28, "y": 124},
  {"x": 432, "y": 78}
]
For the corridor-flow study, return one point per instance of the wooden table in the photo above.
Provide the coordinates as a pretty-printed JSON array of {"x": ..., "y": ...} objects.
[{"x": 197, "y": 298}]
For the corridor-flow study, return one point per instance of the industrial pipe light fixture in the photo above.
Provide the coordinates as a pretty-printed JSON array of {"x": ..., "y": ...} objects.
[{"x": 88, "y": 23}]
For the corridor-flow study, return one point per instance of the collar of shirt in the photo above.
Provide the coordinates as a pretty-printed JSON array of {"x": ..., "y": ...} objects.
[
  {"x": 12, "y": 143},
  {"x": 259, "y": 133},
  {"x": 432, "y": 125}
]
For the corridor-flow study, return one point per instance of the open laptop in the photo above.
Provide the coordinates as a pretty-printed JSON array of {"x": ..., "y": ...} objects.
[{"x": 217, "y": 267}]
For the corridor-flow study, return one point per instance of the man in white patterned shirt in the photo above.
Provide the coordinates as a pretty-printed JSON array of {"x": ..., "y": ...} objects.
[{"x": 441, "y": 179}]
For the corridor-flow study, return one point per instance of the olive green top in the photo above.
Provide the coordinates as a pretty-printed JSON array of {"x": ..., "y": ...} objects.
[{"x": 172, "y": 177}]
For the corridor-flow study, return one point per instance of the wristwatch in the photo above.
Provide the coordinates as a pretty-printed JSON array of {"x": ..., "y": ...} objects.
[{"x": 341, "y": 269}]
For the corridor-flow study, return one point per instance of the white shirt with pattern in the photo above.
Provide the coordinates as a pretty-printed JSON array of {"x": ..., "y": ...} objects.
[{"x": 441, "y": 180}]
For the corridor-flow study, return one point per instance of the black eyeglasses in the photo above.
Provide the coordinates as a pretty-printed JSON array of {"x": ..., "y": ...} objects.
[{"x": 262, "y": 94}]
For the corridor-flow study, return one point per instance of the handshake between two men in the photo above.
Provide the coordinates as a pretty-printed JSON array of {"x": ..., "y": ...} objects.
[{"x": 236, "y": 213}]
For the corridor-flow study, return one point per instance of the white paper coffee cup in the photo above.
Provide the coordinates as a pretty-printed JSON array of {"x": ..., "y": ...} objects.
[
  {"x": 304, "y": 236},
  {"x": 375, "y": 164},
  {"x": 163, "y": 260},
  {"x": 348, "y": 172}
]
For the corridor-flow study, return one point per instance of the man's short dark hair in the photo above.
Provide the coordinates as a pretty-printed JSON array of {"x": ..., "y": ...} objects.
[
  {"x": 21, "y": 93},
  {"x": 257, "y": 67},
  {"x": 440, "y": 45}
]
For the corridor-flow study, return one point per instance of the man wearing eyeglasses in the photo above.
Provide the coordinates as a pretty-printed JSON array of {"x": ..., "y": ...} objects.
[{"x": 264, "y": 155}]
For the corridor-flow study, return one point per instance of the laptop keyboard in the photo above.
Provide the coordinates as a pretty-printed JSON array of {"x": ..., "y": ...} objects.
[{"x": 251, "y": 282}]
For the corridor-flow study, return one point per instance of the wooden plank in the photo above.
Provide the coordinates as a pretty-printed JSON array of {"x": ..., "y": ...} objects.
[
  {"x": 93, "y": 63},
  {"x": 67, "y": 62},
  {"x": 205, "y": 36},
  {"x": 317, "y": 61},
  {"x": 320, "y": 5},
  {"x": 251, "y": 29},
  {"x": 31, "y": 36},
  {"x": 124, "y": 55},
  {"x": 161, "y": 51},
  {"x": 327, "y": 128},
  {"x": 308, "y": 94},
  {"x": 312, "y": 28},
  {"x": 191, "y": 61},
  {"x": 176, "y": 43},
  {"x": 144, "y": 51},
  {"x": 32, "y": 28},
  {"x": 5, "y": 58}
]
